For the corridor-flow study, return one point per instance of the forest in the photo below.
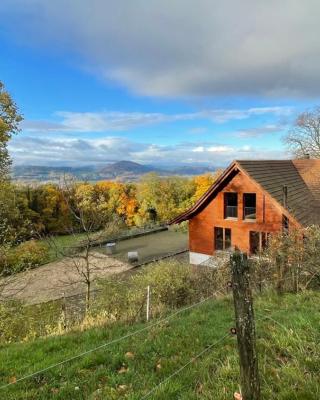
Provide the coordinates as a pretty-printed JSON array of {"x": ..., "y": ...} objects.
[{"x": 31, "y": 213}]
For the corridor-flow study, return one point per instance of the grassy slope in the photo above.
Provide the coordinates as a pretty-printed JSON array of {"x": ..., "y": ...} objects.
[
  {"x": 289, "y": 357},
  {"x": 61, "y": 245}
]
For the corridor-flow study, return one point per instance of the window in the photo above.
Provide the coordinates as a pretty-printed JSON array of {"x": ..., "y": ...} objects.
[
  {"x": 258, "y": 241},
  {"x": 249, "y": 206},
  {"x": 222, "y": 238},
  {"x": 218, "y": 238},
  {"x": 227, "y": 238},
  {"x": 285, "y": 223},
  {"x": 230, "y": 205}
]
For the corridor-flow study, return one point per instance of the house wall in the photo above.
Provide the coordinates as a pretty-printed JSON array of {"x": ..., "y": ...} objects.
[{"x": 268, "y": 218}]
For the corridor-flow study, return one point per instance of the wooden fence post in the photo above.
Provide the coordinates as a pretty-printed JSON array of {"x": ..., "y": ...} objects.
[{"x": 245, "y": 327}]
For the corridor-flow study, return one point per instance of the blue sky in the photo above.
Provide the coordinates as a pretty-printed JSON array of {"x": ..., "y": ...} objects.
[{"x": 158, "y": 82}]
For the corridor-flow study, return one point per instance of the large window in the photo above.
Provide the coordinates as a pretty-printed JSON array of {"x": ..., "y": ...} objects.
[
  {"x": 249, "y": 206},
  {"x": 230, "y": 205},
  {"x": 258, "y": 241},
  {"x": 222, "y": 238}
]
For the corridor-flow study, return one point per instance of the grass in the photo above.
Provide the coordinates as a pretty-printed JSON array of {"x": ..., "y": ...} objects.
[
  {"x": 61, "y": 244},
  {"x": 288, "y": 337}
]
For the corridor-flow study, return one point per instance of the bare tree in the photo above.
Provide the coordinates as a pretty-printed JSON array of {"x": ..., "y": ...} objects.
[{"x": 304, "y": 138}]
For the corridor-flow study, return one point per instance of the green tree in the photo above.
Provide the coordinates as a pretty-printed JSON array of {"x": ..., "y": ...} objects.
[{"x": 9, "y": 125}]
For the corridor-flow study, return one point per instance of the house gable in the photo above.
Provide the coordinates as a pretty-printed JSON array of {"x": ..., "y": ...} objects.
[{"x": 269, "y": 214}]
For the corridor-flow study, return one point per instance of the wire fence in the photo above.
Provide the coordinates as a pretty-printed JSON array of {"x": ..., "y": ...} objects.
[
  {"x": 114, "y": 341},
  {"x": 118, "y": 301},
  {"x": 137, "y": 332}
]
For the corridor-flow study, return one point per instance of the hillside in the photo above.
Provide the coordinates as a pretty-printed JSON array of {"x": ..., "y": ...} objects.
[
  {"x": 288, "y": 337},
  {"x": 126, "y": 169},
  {"x": 31, "y": 173},
  {"x": 122, "y": 171}
]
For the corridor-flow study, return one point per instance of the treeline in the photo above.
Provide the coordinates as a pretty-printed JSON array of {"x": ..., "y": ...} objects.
[{"x": 47, "y": 209}]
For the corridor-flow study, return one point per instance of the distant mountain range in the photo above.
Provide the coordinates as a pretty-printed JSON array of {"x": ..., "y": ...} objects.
[{"x": 121, "y": 171}]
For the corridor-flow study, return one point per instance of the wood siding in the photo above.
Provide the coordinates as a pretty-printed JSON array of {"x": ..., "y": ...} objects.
[{"x": 268, "y": 217}]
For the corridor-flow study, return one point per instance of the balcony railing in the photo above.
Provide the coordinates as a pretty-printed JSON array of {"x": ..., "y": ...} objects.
[
  {"x": 249, "y": 212},
  {"x": 231, "y": 212}
]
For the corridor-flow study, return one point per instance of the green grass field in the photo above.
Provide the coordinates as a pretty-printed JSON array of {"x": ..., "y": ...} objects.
[
  {"x": 288, "y": 340},
  {"x": 60, "y": 245}
]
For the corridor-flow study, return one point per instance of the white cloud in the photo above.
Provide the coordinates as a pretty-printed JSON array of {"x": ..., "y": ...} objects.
[
  {"x": 259, "y": 131},
  {"x": 121, "y": 121},
  {"x": 220, "y": 149},
  {"x": 172, "y": 48},
  {"x": 198, "y": 149},
  {"x": 67, "y": 151}
]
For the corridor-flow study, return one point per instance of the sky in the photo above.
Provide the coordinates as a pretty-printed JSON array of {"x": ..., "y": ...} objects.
[{"x": 170, "y": 82}]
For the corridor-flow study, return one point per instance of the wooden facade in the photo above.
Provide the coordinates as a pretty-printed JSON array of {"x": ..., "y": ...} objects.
[
  {"x": 280, "y": 198},
  {"x": 269, "y": 218}
]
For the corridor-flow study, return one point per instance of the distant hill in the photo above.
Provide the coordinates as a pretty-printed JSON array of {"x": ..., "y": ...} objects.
[
  {"x": 192, "y": 170},
  {"x": 122, "y": 168},
  {"x": 32, "y": 173},
  {"x": 124, "y": 171}
]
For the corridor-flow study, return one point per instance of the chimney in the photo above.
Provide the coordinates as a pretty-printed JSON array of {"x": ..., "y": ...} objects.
[
  {"x": 307, "y": 156},
  {"x": 285, "y": 196}
]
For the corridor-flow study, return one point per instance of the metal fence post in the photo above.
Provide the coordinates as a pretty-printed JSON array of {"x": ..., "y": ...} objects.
[{"x": 148, "y": 303}]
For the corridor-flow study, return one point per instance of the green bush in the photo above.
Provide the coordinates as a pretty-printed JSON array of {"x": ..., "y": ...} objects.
[
  {"x": 172, "y": 284},
  {"x": 25, "y": 256},
  {"x": 20, "y": 323}
]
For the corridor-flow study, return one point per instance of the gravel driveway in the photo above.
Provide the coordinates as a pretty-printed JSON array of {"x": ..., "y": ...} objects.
[{"x": 50, "y": 281}]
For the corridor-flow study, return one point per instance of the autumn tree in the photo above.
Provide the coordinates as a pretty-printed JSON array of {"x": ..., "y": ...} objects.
[
  {"x": 90, "y": 217},
  {"x": 9, "y": 125},
  {"x": 160, "y": 199},
  {"x": 303, "y": 139},
  {"x": 203, "y": 183}
]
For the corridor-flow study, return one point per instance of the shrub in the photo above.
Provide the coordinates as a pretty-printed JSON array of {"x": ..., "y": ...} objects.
[
  {"x": 173, "y": 285},
  {"x": 25, "y": 256}
]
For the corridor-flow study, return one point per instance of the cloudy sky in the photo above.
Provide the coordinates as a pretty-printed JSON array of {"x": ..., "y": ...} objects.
[{"x": 157, "y": 82}]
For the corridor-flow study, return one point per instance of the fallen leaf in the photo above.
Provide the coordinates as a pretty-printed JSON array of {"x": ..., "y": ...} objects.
[{"x": 123, "y": 370}]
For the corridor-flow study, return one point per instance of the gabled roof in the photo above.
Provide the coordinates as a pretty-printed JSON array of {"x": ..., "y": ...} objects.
[{"x": 301, "y": 177}]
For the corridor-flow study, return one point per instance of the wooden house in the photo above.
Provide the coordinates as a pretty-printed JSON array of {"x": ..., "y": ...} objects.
[{"x": 249, "y": 201}]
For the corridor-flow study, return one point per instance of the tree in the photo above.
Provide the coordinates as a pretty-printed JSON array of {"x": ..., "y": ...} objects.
[
  {"x": 96, "y": 227},
  {"x": 9, "y": 125},
  {"x": 304, "y": 137},
  {"x": 203, "y": 183}
]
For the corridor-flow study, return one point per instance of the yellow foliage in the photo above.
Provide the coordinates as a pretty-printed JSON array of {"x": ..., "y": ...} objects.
[{"x": 203, "y": 183}]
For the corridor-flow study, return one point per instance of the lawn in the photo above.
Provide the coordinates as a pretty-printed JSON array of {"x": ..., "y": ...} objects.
[
  {"x": 288, "y": 337},
  {"x": 60, "y": 245}
]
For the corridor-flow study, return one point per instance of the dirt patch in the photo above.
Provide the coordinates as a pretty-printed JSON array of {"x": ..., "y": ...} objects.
[{"x": 50, "y": 281}]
